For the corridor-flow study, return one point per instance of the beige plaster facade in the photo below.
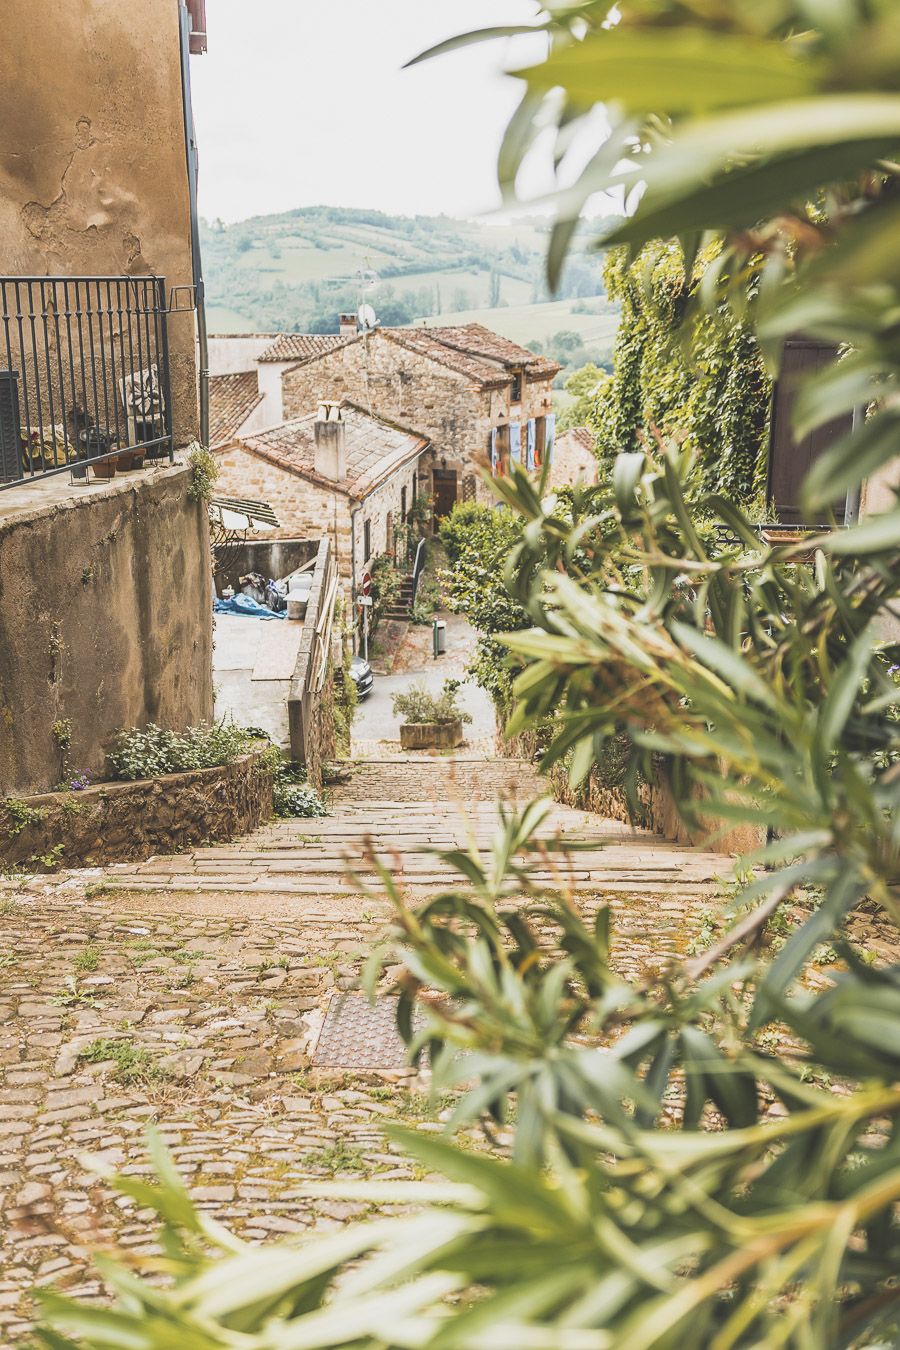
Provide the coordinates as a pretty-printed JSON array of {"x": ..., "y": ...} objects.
[
  {"x": 93, "y": 177},
  {"x": 105, "y": 620}
]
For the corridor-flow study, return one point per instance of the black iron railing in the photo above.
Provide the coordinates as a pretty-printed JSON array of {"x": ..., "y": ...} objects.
[{"x": 84, "y": 376}]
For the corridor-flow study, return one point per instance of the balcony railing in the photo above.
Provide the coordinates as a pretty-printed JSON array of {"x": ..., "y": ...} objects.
[{"x": 84, "y": 376}]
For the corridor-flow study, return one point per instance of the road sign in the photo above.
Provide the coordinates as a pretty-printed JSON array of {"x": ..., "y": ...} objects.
[
  {"x": 364, "y": 601},
  {"x": 366, "y": 583}
]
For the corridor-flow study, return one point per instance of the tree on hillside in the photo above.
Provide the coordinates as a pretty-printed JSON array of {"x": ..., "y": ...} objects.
[{"x": 585, "y": 388}]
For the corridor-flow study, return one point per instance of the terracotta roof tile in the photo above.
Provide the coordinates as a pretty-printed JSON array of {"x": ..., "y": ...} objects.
[
  {"x": 375, "y": 448},
  {"x": 423, "y": 340},
  {"x": 582, "y": 435},
  {"x": 302, "y": 346},
  {"x": 232, "y": 399},
  {"x": 469, "y": 349},
  {"x": 476, "y": 340}
]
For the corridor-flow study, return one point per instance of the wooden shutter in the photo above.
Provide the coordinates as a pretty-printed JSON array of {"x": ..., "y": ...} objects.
[
  {"x": 197, "y": 11},
  {"x": 791, "y": 460}
]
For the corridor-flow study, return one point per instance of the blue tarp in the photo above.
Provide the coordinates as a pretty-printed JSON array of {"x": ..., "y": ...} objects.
[{"x": 244, "y": 604}]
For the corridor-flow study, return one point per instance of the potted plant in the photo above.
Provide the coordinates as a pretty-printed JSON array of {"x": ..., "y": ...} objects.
[{"x": 429, "y": 722}]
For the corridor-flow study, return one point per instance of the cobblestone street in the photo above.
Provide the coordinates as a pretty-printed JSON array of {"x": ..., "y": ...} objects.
[{"x": 191, "y": 991}]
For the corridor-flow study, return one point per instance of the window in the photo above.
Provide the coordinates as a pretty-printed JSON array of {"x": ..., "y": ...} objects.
[
  {"x": 516, "y": 395},
  {"x": 403, "y": 504},
  {"x": 415, "y": 487},
  {"x": 540, "y": 440},
  {"x": 367, "y": 540}
]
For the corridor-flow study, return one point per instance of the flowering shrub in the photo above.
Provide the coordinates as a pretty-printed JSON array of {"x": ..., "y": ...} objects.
[
  {"x": 152, "y": 751},
  {"x": 293, "y": 796}
]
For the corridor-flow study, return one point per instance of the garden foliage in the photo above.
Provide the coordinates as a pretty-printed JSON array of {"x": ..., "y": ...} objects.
[
  {"x": 708, "y": 1154},
  {"x": 692, "y": 375}
]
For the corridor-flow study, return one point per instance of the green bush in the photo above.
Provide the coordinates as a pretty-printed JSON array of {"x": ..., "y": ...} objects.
[
  {"x": 386, "y": 583},
  {"x": 152, "y": 751},
  {"x": 418, "y": 705},
  {"x": 293, "y": 796}
]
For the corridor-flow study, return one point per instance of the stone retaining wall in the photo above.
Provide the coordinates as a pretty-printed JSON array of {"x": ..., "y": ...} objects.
[
  {"x": 657, "y": 808},
  {"x": 124, "y": 822}
]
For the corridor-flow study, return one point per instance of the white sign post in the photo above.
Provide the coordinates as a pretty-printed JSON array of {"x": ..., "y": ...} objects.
[{"x": 365, "y": 601}]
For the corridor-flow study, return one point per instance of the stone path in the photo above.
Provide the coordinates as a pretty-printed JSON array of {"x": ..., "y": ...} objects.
[
  {"x": 191, "y": 992},
  {"x": 406, "y": 809}
]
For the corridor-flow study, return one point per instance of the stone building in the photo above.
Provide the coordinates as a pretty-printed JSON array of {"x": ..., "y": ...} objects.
[
  {"x": 465, "y": 388},
  {"x": 573, "y": 459},
  {"x": 338, "y": 471}
]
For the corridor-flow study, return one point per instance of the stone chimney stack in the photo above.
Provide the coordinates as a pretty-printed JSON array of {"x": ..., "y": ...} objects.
[
  {"x": 347, "y": 325},
  {"x": 331, "y": 442}
]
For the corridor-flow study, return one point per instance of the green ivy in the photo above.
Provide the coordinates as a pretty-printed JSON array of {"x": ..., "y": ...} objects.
[{"x": 701, "y": 381}]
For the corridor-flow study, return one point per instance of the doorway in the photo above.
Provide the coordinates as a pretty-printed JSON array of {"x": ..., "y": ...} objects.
[{"x": 445, "y": 492}]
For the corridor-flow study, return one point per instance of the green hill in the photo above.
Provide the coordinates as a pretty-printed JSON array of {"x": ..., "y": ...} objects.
[{"x": 296, "y": 271}]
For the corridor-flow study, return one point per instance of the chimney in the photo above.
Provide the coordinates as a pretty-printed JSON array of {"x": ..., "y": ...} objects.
[
  {"x": 331, "y": 443},
  {"x": 347, "y": 325}
]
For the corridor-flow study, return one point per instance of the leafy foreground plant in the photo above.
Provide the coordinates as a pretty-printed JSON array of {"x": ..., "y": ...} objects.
[
  {"x": 671, "y": 1183},
  {"x": 602, "y": 1230}
]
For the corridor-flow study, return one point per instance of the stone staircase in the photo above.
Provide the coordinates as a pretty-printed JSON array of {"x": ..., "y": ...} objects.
[
  {"x": 407, "y": 809},
  {"x": 403, "y": 605}
]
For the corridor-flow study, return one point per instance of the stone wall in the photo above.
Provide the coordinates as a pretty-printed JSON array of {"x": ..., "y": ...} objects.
[
  {"x": 276, "y": 558},
  {"x": 657, "y": 808},
  {"x": 455, "y": 413},
  {"x": 105, "y": 622},
  {"x": 386, "y": 501},
  {"x": 123, "y": 822},
  {"x": 93, "y": 170},
  {"x": 306, "y": 509},
  {"x": 573, "y": 459}
]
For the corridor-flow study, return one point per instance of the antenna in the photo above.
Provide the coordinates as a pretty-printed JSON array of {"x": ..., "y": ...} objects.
[{"x": 366, "y": 316}]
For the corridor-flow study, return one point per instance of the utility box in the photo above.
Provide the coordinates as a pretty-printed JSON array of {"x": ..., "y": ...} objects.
[{"x": 439, "y": 635}]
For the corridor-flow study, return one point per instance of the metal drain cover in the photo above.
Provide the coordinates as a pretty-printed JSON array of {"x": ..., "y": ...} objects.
[{"x": 357, "y": 1034}]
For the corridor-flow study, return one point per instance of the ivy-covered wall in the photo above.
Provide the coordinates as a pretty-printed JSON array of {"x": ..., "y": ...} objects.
[{"x": 701, "y": 379}]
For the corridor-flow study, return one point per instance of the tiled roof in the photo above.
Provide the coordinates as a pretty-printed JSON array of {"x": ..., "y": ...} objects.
[
  {"x": 301, "y": 346},
  {"x": 375, "y": 448},
  {"x": 232, "y": 399},
  {"x": 423, "y": 341},
  {"x": 582, "y": 436},
  {"x": 476, "y": 340},
  {"x": 469, "y": 349}
]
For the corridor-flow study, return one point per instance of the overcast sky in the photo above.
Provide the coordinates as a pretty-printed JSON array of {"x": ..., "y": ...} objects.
[{"x": 305, "y": 102}]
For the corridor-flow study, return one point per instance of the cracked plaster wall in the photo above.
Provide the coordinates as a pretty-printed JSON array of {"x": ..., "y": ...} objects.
[{"x": 93, "y": 176}]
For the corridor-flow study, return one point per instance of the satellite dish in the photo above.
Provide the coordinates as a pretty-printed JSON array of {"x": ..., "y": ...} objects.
[{"x": 366, "y": 316}]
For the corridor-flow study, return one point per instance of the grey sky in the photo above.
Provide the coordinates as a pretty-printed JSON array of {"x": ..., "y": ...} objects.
[{"x": 301, "y": 102}]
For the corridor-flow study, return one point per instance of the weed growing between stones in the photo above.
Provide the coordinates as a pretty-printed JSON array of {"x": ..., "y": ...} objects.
[{"x": 134, "y": 1065}]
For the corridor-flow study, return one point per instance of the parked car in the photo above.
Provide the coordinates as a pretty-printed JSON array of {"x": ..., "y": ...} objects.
[{"x": 362, "y": 677}]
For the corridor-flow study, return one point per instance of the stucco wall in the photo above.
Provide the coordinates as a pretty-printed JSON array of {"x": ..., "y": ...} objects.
[
  {"x": 93, "y": 176},
  {"x": 105, "y": 621}
]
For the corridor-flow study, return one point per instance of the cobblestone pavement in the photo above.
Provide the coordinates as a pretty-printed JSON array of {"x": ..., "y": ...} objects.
[{"x": 191, "y": 992}]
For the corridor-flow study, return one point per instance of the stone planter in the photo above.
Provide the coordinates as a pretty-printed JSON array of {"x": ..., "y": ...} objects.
[{"x": 431, "y": 735}]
